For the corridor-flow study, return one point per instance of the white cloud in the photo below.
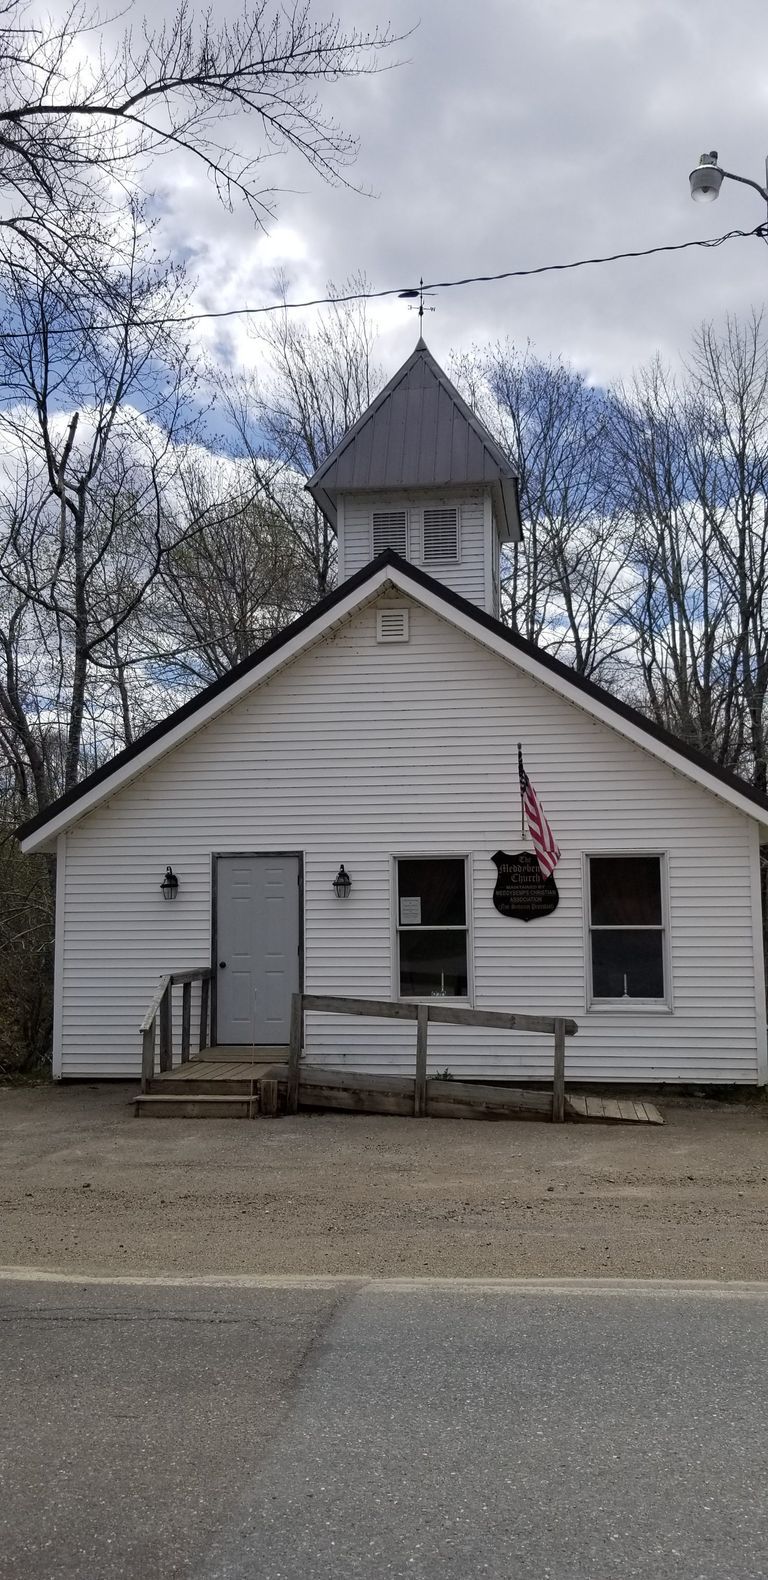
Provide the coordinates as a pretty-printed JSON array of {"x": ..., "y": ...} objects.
[{"x": 515, "y": 133}]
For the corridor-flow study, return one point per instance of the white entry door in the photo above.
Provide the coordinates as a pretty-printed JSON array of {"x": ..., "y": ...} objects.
[{"x": 257, "y": 948}]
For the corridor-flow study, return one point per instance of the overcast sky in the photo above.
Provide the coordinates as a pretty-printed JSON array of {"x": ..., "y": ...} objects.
[{"x": 520, "y": 132}]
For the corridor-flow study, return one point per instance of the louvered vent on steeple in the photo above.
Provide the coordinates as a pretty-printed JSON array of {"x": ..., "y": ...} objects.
[
  {"x": 440, "y": 534},
  {"x": 390, "y": 531}
]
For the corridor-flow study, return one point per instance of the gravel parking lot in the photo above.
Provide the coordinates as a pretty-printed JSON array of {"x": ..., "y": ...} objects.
[{"x": 86, "y": 1187}]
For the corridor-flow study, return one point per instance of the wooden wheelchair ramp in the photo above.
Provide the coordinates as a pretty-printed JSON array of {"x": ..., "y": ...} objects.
[
  {"x": 213, "y": 1089},
  {"x": 214, "y": 1085}
]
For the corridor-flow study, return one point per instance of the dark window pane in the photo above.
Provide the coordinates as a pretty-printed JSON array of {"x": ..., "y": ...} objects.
[
  {"x": 627, "y": 962},
  {"x": 433, "y": 964},
  {"x": 439, "y": 886},
  {"x": 625, "y": 891}
]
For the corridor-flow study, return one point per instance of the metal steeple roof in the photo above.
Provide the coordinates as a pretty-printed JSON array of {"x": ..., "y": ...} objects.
[{"x": 419, "y": 433}]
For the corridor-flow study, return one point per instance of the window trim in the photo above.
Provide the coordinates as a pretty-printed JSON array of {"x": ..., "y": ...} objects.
[
  {"x": 432, "y": 855},
  {"x": 627, "y": 1006}
]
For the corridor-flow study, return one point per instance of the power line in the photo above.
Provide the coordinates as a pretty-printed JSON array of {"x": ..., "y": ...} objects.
[
  {"x": 445, "y": 285},
  {"x": 760, "y": 231},
  {"x": 582, "y": 263}
]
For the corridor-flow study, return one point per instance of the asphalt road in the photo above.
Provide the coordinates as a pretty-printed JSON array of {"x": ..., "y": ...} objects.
[{"x": 382, "y": 1429}]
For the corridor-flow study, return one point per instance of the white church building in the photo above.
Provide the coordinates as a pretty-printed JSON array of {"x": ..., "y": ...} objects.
[{"x": 378, "y": 734}]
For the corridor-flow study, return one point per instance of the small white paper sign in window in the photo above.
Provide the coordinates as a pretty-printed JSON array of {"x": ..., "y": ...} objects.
[{"x": 410, "y": 910}]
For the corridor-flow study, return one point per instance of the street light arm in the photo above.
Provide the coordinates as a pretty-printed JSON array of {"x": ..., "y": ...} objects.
[{"x": 745, "y": 181}]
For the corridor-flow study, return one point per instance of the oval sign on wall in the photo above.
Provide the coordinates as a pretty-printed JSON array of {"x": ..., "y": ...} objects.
[{"x": 521, "y": 891}]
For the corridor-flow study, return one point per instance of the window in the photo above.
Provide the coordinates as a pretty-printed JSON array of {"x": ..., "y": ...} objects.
[
  {"x": 390, "y": 531},
  {"x": 441, "y": 535},
  {"x": 626, "y": 928},
  {"x": 432, "y": 927}
]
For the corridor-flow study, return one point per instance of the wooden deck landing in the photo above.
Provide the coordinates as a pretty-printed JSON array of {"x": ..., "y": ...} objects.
[
  {"x": 232, "y": 1083},
  {"x": 214, "y": 1065}
]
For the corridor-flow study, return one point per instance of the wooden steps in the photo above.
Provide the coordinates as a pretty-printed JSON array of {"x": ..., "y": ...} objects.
[
  {"x": 213, "y": 1089},
  {"x": 204, "y": 1105},
  {"x": 228, "y": 1086},
  {"x": 208, "y": 1089}
]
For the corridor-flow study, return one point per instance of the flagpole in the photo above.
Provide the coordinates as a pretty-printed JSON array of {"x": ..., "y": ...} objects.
[{"x": 520, "y": 782}]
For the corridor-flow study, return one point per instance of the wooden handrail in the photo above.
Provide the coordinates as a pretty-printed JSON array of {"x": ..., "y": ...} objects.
[
  {"x": 151, "y": 1015},
  {"x": 360, "y": 1006},
  {"x": 446, "y": 1014},
  {"x": 556, "y": 1026},
  {"x": 161, "y": 1008}
]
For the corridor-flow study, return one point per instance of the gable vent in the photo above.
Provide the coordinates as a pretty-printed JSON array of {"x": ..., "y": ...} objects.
[
  {"x": 390, "y": 531},
  {"x": 391, "y": 624},
  {"x": 441, "y": 535}
]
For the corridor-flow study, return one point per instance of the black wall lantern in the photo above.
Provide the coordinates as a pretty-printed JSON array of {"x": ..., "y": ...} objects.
[
  {"x": 170, "y": 884},
  {"x": 342, "y": 883}
]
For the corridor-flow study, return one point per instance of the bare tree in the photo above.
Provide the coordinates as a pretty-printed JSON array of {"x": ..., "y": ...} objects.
[
  {"x": 677, "y": 603},
  {"x": 96, "y": 405},
  {"x": 732, "y": 372},
  {"x": 561, "y": 585},
  {"x": 26, "y": 950},
  {"x": 229, "y": 586},
  {"x": 27, "y": 753},
  {"x": 692, "y": 454},
  {"x": 314, "y": 385},
  {"x": 76, "y": 112}
]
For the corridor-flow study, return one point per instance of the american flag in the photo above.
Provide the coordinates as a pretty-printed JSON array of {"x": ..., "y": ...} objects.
[{"x": 544, "y": 842}]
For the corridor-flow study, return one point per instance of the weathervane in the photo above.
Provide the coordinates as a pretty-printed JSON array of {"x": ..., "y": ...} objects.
[{"x": 420, "y": 293}]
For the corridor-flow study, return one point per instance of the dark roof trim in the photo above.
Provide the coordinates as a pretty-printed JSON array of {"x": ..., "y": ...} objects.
[{"x": 421, "y": 579}]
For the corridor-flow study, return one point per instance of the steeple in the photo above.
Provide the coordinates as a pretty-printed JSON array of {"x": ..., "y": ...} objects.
[{"x": 420, "y": 473}]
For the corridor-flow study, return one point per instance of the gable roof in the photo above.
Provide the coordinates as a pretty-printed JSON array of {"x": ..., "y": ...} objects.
[
  {"x": 387, "y": 569},
  {"x": 419, "y": 433}
]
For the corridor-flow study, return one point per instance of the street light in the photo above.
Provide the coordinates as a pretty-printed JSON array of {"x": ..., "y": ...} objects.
[{"x": 707, "y": 178}]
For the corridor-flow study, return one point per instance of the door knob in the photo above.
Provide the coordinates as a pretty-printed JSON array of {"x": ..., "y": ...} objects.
[{"x": 222, "y": 964}]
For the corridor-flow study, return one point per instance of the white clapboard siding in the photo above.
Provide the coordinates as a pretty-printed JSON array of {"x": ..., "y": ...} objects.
[
  {"x": 358, "y": 751},
  {"x": 466, "y": 576}
]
